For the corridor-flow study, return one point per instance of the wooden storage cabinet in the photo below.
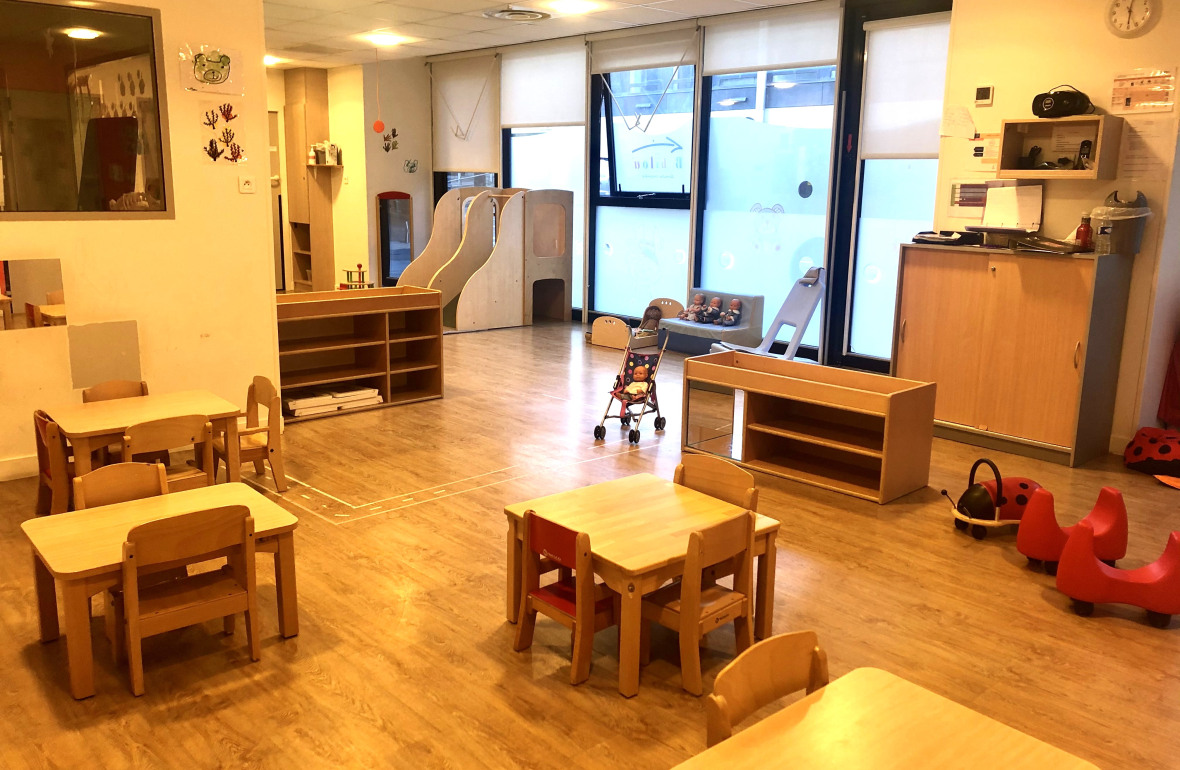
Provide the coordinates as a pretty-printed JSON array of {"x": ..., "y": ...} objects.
[
  {"x": 1017, "y": 137},
  {"x": 863, "y": 434},
  {"x": 1021, "y": 345},
  {"x": 389, "y": 339}
]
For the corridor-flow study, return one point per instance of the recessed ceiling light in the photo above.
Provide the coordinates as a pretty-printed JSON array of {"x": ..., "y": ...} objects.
[
  {"x": 271, "y": 61},
  {"x": 573, "y": 7},
  {"x": 384, "y": 38},
  {"x": 516, "y": 14},
  {"x": 82, "y": 33}
]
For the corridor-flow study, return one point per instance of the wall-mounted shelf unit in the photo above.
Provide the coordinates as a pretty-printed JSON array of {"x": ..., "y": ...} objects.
[
  {"x": 388, "y": 339},
  {"x": 309, "y": 193},
  {"x": 1017, "y": 137},
  {"x": 862, "y": 434}
]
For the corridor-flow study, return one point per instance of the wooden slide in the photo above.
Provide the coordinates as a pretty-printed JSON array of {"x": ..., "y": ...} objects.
[{"x": 444, "y": 238}]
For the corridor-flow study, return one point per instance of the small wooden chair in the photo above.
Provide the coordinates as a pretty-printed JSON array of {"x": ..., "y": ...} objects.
[
  {"x": 144, "y": 611},
  {"x": 767, "y": 671},
  {"x": 173, "y": 433},
  {"x": 33, "y": 317},
  {"x": 694, "y": 606},
  {"x": 119, "y": 483},
  {"x": 109, "y": 391},
  {"x": 55, "y": 297},
  {"x": 53, "y": 465},
  {"x": 717, "y": 477},
  {"x": 574, "y": 601},
  {"x": 258, "y": 443}
]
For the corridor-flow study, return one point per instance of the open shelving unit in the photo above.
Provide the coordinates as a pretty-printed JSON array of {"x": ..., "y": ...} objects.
[
  {"x": 862, "y": 434},
  {"x": 1017, "y": 137},
  {"x": 389, "y": 339}
]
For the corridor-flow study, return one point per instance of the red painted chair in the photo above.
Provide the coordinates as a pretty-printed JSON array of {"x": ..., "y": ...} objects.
[
  {"x": 1041, "y": 538},
  {"x": 1086, "y": 580},
  {"x": 574, "y": 600}
]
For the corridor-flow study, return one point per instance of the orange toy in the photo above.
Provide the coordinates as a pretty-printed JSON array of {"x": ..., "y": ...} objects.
[
  {"x": 1086, "y": 580},
  {"x": 1041, "y": 539}
]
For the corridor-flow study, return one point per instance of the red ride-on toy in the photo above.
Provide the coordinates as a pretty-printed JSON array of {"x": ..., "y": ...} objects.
[
  {"x": 1086, "y": 580},
  {"x": 1042, "y": 539},
  {"x": 995, "y": 503}
]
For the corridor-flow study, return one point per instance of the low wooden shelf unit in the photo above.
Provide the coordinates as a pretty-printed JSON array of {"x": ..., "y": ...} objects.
[
  {"x": 866, "y": 435},
  {"x": 389, "y": 339}
]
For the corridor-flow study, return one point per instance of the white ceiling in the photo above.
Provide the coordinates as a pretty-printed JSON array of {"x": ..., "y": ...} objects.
[{"x": 326, "y": 33}]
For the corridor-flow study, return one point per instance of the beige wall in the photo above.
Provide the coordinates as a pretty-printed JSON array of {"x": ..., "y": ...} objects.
[
  {"x": 405, "y": 105},
  {"x": 349, "y": 129},
  {"x": 1022, "y": 49},
  {"x": 200, "y": 286}
]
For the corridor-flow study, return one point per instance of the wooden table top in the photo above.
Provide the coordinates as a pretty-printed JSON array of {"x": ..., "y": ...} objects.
[
  {"x": 870, "y": 719},
  {"x": 90, "y": 542},
  {"x": 104, "y": 417},
  {"x": 53, "y": 311},
  {"x": 637, "y": 523}
]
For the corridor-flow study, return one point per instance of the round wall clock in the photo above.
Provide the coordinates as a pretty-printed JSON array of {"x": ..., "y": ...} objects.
[{"x": 1131, "y": 18}]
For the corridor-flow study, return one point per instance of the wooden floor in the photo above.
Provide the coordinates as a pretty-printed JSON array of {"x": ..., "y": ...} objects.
[{"x": 404, "y": 658}]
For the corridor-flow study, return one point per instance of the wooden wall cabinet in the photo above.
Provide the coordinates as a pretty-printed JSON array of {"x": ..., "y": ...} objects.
[
  {"x": 309, "y": 188},
  {"x": 1024, "y": 347},
  {"x": 1017, "y": 137}
]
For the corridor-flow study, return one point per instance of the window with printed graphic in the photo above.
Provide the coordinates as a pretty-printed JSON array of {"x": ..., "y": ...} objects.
[{"x": 651, "y": 121}]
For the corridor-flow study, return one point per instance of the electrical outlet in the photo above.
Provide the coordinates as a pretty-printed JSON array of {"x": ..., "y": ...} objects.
[{"x": 246, "y": 185}]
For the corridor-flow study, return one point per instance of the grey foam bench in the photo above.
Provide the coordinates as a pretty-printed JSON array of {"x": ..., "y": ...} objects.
[{"x": 695, "y": 339}]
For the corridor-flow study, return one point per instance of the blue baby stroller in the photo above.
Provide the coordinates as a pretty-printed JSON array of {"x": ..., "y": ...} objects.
[{"x": 635, "y": 390}]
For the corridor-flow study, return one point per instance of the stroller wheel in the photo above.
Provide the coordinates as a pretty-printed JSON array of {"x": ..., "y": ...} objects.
[
  {"x": 660, "y": 423},
  {"x": 633, "y": 437},
  {"x": 599, "y": 433},
  {"x": 625, "y": 420}
]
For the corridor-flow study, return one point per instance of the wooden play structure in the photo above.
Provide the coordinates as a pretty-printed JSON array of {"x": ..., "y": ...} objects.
[{"x": 498, "y": 257}]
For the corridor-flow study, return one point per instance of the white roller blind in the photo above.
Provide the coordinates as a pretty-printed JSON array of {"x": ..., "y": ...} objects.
[
  {"x": 640, "y": 52},
  {"x": 543, "y": 85},
  {"x": 795, "y": 36},
  {"x": 905, "y": 74},
  {"x": 465, "y": 96}
]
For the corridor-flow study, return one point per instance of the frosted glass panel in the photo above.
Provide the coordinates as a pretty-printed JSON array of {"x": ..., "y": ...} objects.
[
  {"x": 640, "y": 254},
  {"x": 905, "y": 74},
  {"x": 896, "y": 201},
  {"x": 766, "y": 202},
  {"x": 551, "y": 159}
]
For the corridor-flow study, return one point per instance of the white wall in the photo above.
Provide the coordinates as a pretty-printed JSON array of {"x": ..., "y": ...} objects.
[
  {"x": 405, "y": 105},
  {"x": 200, "y": 286},
  {"x": 348, "y": 129},
  {"x": 1022, "y": 49}
]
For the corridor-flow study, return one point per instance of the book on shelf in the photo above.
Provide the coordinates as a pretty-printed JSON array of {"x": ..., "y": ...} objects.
[
  {"x": 359, "y": 402},
  {"x": 352, "y": 394},
  {"x": 308, "y": 411}
]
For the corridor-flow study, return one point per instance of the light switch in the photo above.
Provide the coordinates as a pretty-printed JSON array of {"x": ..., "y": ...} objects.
[{"x": 246, "y": 185}]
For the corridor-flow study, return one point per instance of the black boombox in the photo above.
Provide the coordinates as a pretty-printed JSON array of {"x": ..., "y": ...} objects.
[{"x": 1059, "y": 104}]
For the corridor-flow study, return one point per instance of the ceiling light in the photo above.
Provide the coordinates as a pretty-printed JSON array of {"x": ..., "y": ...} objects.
[
  {"x": 731, "y": 101},
  {"x": 384, "y": 38},
  {"x": 82, "y": 33},
  {"x": 573, "y": 6},
  {"x": 271, "y": 61},
  {"x": 508, "y": 13},
  {"x": 782, "y": 84}
]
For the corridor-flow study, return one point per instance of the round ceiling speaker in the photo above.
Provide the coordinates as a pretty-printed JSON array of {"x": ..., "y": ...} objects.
[{"x": 516, "y": 14}]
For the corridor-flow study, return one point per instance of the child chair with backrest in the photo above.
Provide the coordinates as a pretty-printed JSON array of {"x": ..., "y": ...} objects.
[
  {"x": 53, "y": 466},
  {"x": 174, "y": 433},
  {"x": 258, "y": 443}
]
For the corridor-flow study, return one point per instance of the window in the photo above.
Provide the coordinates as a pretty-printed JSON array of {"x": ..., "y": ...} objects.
[
  {"x": 450, "y": 180},
  {"x": 552, "y": 159},
  {"x": 80, "y": 126}
]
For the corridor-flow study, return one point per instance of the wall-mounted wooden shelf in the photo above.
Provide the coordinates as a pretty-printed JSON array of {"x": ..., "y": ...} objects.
[
  {"x": 389, "y": 339},
  {"x": 1017, "y": 137}
]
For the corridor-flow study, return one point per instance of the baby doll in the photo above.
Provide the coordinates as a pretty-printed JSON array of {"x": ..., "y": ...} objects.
[
  {"x": 712, "y": 312},
  {"x": 639, "y": 383},
  {"x": 651, "y": 320},
  {"x": 731, "y": 316},
  {"x": 693, "y": 311}
]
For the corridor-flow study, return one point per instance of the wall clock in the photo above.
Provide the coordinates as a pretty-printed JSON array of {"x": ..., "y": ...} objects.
[{"x": 1131, "y": 18}]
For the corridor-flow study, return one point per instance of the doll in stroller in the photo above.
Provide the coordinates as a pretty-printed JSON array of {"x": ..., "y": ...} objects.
[{"x": 635, "y": 390}]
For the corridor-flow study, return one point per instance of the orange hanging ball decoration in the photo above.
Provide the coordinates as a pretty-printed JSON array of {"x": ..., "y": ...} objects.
[{"x": 379, "y": 126}]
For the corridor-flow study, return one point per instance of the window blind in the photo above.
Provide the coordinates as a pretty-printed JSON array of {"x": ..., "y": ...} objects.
[
  {"x": 543, "y": 85},
  {"x": 465, "y": 98},
  {"x": 795, "y": 36},
  {"x": 643, "y": 51}
]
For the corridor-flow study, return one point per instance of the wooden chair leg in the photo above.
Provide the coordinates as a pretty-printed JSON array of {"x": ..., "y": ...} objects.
[
  {"x": 744, "y": 630},
  {"x": 135, "y": 662},
  {"x": 252, "y": 635},
  {"x": 116, "y": 634},
  {"x": 227, "y": 624},
  {"x": 583, "y": 651},
  {"x": 259, "y": 467},
  {"x": 44, "y": 500},
  {"x": 690, "y": 663},
  {"x": 524, "y": 626},
  {"x": 644, "y": 642},
  {"x": 280, "y": 474}
]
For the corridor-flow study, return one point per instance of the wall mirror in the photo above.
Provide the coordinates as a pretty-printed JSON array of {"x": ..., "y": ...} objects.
[
  {"x": 31, "y": 294},
  {"x": 80, "y": 126}
]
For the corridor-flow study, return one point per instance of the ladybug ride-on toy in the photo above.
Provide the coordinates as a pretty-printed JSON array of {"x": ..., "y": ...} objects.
[{"x": 995, "y": 503}]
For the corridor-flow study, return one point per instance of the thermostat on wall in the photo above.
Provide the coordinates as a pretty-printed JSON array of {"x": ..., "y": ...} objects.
[{"x": 984, "y": 95}]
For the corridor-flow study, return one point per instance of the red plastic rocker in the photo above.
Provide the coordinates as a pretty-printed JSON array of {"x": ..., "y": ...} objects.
[
  {"x": 1042, "y": 540},
  {"x": 1086, "y": 580}
]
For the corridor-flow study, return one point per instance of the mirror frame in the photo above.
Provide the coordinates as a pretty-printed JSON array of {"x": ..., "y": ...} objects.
[{"x": 161, "y": 71}]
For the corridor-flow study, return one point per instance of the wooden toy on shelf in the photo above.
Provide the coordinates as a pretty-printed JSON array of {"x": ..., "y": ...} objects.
[
  {"x": 355, "y": 279},
  {"x": 985, "y": 506},
  {"x": 1087, "y": 581},
  {"x": 1041, "y": 539}
]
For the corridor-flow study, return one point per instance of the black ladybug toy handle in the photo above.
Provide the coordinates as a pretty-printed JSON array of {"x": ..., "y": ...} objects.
[{"x": 995, "y": 472}]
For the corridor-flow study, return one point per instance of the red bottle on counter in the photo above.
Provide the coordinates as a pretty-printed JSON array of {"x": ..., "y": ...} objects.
[{"x": 1085, "y": 235}]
